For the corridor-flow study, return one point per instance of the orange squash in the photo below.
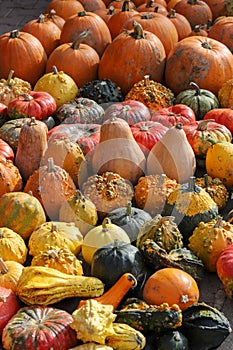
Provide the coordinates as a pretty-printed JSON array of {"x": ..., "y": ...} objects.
[
  {"x": 172, "y": 286},
  {"x": 65, "y": 8}
]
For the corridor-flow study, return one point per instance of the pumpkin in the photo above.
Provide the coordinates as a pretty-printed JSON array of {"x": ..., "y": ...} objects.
[
  {"x": 101, "y": 91},
  {"x": 117, "y": 4},
  {"x": 92, "y": 6},
  {"x": 51, "y": 185},
  {"x": 161, "y": 230},
  {"x": 37, "y": 104},
  {"x": 116, "y": 23},
  {"x": 200, "y": 29},
  {"x": 219, "y": 162},
  {"x": 158, "y": 24},
  {"x": 81, "y": 54},
  {"x": 209, "y": 239},
  {"x": 117, "y": 151},
  {"x": 32, "y": 66},
  {"x": 80, "y": 110},
  {"x": 220, "y": 8},
  {"x": 67, "y": 154},
  {"x": 170, "y": 116},
  {"x": 98, "y": 36},
  {"x": 47, "y": 32},
  {"x": 130, "y": 219},
  {"x": 6, "y": 150},
  {"x": 221, "y": 30},
  {"x": 80, "y": 210},
  {"x": 86, "y": 135},
  {"x": 172, "y": 340},
  {"x": 172, "y": 286},
  {"x": 224, "y": 269},
  {"x": 52, "y": 16},
  {"x": 151, "y": 191},
  {"x": 147, "y": 133},
  {"x": 40, "y": 326},
  {"x": 9, "y": 132},
  {"x": 172, "y": 155},
  {"x": 61, "y": 259},
  {"x": 11, "y": 179},
  {"x": 32, "y": 143},
  {"x": 225, "y": 94},
  {"x": 130, "y": 110},
  {"x": 120, "y": 257},
  {"x": 100, "y": 235},
  {"x": 56, "y": 234},
  {"x": 12, "y": 87},
  {"x": 199, "y": 132},
  {"x": 216, "y": 189},
  {"x": 181, "y": 23},
  {"x": 158, "y": 6},
  {"x": 9, "y": 305},
  {"x": 199, "y": 100},
  {"x": 222, "y": 116},
  {"x": 106, "y": 13},
  {"x": 107, "y": 191},
  {"x": 3, "y": 114},
  {"x": 58, "y": 84},
  {"x": 12, "y": 246},
  {"x": 200, "y": 56},
  {"x": 138, "y": 46},
  {"x": 190, "y": 205},
  {"x": 151, "y": 93},
  {"x": 195, "y": 11},
  {"x": 22, "y": 213},
  {"x": 10, "y": 272},
  {"x": 65, "y": 8}
]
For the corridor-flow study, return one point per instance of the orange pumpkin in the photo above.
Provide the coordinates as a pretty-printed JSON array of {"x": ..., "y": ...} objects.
[
  {"x": 172, "y": 286},
  {"x": 29, "y": 63},
  {"x": 181, "y": 23},
  {"x": 45, "y": 31},
  {"x": 143, "y": 48},
  {"x": 11, "y": 179},
  {"x": 91, "y": 5},
  {"x": 220, "y": 7},
  {"x": 201, "y": 59},
  {"x": 53, "y": 17},
  {"x": 98, "y": 36},
  {"x": 222, "y": 30},
  {"x": 65, "y": 8},
  {"x": 158, "y": 6}
]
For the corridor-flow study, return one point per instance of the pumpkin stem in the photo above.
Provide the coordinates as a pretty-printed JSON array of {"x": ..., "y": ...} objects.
[
  {"x": 196, "y": 88},
  {"x": 125, "y": 6},
  {"x": 162, "y": 180},
  {"x": 156, "y": 9},
  {"x": 192, "y": 2},
  {"x": 204, "y": 123},
  {"x": 28, "y": 97},
  {"x": 179, "y": 126},
  {"x": 41, "y": 18},
  {"x": 14, "y": 34},
  {"x": 219, "y": 222},
  {"x": 3, "y": 267},
  {"x": 82, "y": 14},
  {"x": 53, "y": 227},
  {"x": 150, "y": 3},
  {"x": 206, "y": 45},
  {"x": 138, "y": 31},
  {"x": 191, "y": 184},
  {"x": 55, "y": 70},
  {"x": 10, "y": 75},
  {"x": 50, "y": 167},
  {"x": 51, "y": 13},
  {"x": 111, "y": 10},
  {"x": 146, "y": 80},
  {"x": 52, "y": 253},
  {"x": 171, "y": 13},
  {"x": 206, "y": 178},
  {"x": 76, "y": 44},
  {"x": 129, "y": 209},
  {"x": 32, "y": 121},
  {"x": 106, "y": 221}
]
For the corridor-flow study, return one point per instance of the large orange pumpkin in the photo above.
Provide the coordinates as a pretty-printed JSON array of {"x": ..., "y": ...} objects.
[
  {"x": 29, "y": 63},
  {"x": 222, "y": 30},
  {"x": 203, "y": 60},
  {"x": 220, "y": 7},
  {"x": 65, "y": 8},
  {"x": 131, "y": 56},
  {"x": 173, "y": 286}
]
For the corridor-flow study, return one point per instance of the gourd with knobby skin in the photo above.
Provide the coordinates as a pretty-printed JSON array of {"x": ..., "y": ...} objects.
[
  {"x": 173, "y": 156},
  {"x": 11, "y": 179}
]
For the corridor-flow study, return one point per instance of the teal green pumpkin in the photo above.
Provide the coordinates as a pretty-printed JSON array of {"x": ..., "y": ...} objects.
[
  {"x": 200, "y": 100},
  {"x": 190, "y": 204},
  {"x": 172, "y": 340}
]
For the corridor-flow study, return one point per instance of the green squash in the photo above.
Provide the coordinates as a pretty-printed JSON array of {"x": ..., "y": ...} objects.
[
  {"x": 172, "y": 340},
  {"x": 200, "y": 100},
  {"x": 190, "y": 205}
]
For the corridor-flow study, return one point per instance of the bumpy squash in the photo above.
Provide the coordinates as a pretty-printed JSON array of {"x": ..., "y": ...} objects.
[
  {"x": 45, "y": 285},
  {"x": 210, "y": 239},
  {"x": 173, "y": 156},
  {"x": 12, "y": 246},
  {"x": 11, "y": 179},
  {"x": 126, "y": 337}
]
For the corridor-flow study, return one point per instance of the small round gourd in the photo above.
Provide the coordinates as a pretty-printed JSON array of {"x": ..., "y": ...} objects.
[
  {"x": 100, "y": 235},
  {"x": 12, "y": 246}
]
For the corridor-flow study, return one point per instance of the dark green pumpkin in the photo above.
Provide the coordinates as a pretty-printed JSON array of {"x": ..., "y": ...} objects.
[
  {"x": 145, "y": 318},
  {"x": 205, "y": 326},
  {"x": 114, "y": 259},
  {"x": 130, "y": 219},
  {"x": 200, "y": 100},
  {"x": 162, "y": 230},
  {"x": 190, "y": 204}
]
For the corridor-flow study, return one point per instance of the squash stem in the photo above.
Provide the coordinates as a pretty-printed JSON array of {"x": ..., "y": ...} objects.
[
  {"x": 8, "y": 82},
  {"x": 3, "y": 267}
]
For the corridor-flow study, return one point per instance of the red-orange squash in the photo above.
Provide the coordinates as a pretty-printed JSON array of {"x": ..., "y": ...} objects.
[
  {"x": 222, "y": 116},
  {"x": 9, "y": 305},
  {"x": 173, "y": 286}
]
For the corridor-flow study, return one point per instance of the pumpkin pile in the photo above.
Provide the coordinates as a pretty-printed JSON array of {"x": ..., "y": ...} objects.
[{"x": 116, "y": 169}]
